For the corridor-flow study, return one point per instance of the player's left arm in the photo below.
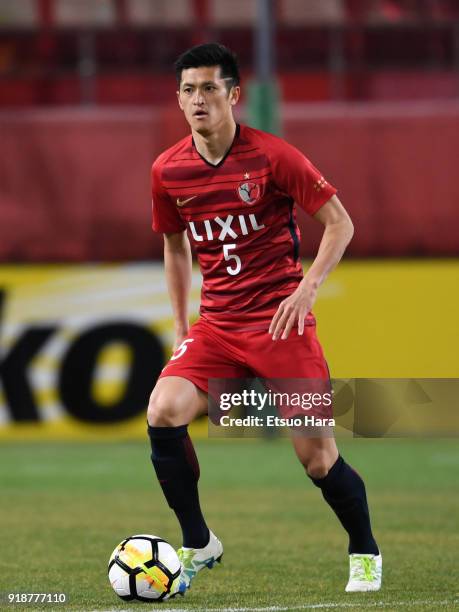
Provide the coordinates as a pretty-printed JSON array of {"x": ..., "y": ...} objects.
[{"x": 337, "y": 235}]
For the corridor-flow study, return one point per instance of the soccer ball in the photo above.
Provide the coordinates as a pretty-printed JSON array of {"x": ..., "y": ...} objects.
[{"x": 144, "y": 567}]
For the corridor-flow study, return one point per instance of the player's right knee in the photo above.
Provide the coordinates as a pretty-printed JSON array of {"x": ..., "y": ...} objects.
[{"x": 163, "y": 411}]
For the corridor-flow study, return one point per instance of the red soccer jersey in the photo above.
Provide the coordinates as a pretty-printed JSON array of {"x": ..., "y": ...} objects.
[{"x": 241, "y": 220}]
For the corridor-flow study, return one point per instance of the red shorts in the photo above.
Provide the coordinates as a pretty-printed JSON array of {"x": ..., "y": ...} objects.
[{"x": 212, "y": 352}]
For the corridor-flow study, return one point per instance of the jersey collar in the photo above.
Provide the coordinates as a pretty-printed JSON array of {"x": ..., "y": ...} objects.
[{"x": 236, "y": 136}]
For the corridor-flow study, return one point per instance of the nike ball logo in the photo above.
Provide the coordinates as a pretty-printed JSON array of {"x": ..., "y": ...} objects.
[{"x": 183, "y": 202}]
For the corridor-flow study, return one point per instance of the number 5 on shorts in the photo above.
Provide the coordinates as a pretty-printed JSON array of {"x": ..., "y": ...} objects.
[{"x": 181, "y": 349}]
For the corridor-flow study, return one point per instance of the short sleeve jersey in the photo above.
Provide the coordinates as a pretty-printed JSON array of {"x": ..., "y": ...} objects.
[{"x": 240, "y": 218}]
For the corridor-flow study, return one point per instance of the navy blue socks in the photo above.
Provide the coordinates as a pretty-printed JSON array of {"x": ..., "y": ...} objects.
[
  {"x": 344, "y": 491},
  {"x": 177, "y": 469}
]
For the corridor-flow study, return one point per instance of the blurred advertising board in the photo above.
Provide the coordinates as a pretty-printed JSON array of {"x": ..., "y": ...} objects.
[{"x": 81, "y": 348}]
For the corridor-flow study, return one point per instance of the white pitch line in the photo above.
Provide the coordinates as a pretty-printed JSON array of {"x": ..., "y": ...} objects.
[{"x": 318, "y": 606}]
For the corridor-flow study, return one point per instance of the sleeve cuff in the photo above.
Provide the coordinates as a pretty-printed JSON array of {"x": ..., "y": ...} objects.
[{"x": 321, "y": 200}]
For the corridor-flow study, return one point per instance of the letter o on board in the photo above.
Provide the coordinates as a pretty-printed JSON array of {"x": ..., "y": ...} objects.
[{"x": 79, "y": 363}]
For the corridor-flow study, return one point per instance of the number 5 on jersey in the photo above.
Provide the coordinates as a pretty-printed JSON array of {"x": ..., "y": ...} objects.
[{"x": 237, "y": 260}]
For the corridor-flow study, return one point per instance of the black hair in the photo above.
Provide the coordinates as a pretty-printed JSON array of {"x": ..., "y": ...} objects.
[{"x": 210, "y": 54}]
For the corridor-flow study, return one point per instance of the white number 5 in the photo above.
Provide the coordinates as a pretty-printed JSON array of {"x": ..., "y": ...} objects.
[
  {"x": 181, "y": 349},
  {"x": 228, "y": 257}
]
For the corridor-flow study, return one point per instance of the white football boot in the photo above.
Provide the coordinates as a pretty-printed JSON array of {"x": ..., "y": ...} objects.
[
  {"x": 365, "y": 573},
  {"x": 193, "y": 560}
]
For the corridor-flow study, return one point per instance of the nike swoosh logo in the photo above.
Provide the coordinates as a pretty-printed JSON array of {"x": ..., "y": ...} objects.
[{"x": 183, "y": 202}]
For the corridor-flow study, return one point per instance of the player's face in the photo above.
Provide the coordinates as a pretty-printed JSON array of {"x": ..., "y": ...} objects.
[{"x": 205, "y": 99}]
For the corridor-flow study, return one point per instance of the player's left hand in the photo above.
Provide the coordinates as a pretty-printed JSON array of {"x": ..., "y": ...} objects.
[{"x": 293, "y": 310}]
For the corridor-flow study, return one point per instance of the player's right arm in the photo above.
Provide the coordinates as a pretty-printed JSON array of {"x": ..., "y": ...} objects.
[
  {"x": 177, "y": 251},
  {"x": 177, "y": 263}
]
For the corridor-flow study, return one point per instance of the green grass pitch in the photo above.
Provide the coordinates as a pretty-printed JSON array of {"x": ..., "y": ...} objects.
[{"x": 64, "y": 507}]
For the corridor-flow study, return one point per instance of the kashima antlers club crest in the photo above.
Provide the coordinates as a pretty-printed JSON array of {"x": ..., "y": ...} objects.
[{"x": 248, "y": 192}]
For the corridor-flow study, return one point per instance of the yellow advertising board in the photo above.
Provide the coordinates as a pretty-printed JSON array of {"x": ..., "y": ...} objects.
[{"x": 81, "y": 346}]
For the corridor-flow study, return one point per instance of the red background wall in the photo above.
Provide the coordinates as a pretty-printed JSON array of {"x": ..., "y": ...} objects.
[{"x": 74, "y": 184}]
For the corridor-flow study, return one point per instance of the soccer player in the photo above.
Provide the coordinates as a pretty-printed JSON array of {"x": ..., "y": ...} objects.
[{"x": 231, "y": 190}]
